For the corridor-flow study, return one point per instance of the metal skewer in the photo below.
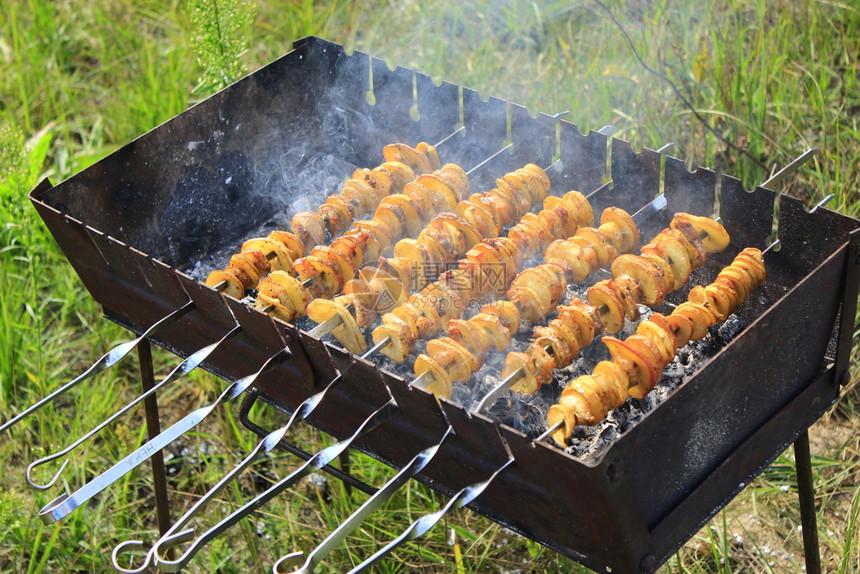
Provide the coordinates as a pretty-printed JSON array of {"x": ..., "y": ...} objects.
[
  {"x": 265, "y": 446},
  {"x": 106, "y": 361},
  {"x": 114, "y": 355},
  {"x": 173, "y": 537},
  {"x": 640, "y": 215},
  {"x": 333, "y": 540},
  {"x": 654, "y": 206},
  {"x": 426, "y": 522},
  {"x": 549, "y": 431}
]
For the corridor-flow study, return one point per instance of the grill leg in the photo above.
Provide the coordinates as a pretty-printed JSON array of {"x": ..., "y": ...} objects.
[
  {"x": 153, "y": 428},
  {"x": 805, "y": 491}
]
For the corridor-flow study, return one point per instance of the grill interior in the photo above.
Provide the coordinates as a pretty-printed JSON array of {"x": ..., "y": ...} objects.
[{"x": 141, "y": 224}]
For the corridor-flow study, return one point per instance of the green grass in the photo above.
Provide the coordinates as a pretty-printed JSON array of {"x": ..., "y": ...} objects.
[{"x": 742, "y": 87}]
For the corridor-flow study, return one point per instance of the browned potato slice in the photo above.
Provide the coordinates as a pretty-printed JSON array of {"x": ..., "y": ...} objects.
[
  {"x": 400, "y": 335},
  {"x": 422, "y": 199},
  {"x": 639, "y": 369},
  {"x": 442, "y": 196},
  {"x": 562, "y": 353},
  {"x": 544, "y": 363},
  {"x": 682, "y": 328},
  {"x": 457, "y": 177},
  {"x": 442, "y": 384},
  {"x": 233, "y": 286},
  {"x": 494, "y": 328},
  {"x": 671, "y": 250},
  {"x": 407, "y": 212},
  {"x": 714, "y": 236},
  {"x": 604, "y": 249},
  {"x": 580, "y": 206},
  {"x": 625, "y": 222},
  {"x": 515, "y": 189},
  {"x": 453, "y": 225},
  {"x": 573, "y": 257},
  {"x": 290, "y": 241},
  {"x": 325, "y": 276},
  {"x": 352, "y": 246},
  {"x": 347, "y": 332},
  {"x": 613, "y": 377},
  {"x": 458, "y": 361},
  {"x": 649, "y": 276},
  {"x": 664, "y": 267},
  {"x": 309, "y": 227},
  {"x": 275, "y": 307},
  {"x": 403, "y": 153},
  {"x": 253, "y": 264},
  {"x": 345, "y": 266},
  {"x": 609, "y": 305},
  {"x": 507, "y": 312},
  {"x": 715, "y": 300},
  {"x": 429, "y": 151},
  {"x": 299, "y": 297},
  {"x": 586, "y": 408},
  {"x": 532, "y": 305},
  {"x": 480, "y": 217},
  {"x": 663, "y": 339},
  {"x": 567, "y": 334},
  {"x": 565, "y": 213},
  {"x": 539, "y": 176},
  {"x": 448, "y": 302},
  {"x": 582, "y": 318},
  {"x": 699, "y": 315},
  {"x": 368, "y": 187},
  {"x": 690, "y": 239},
  {"x": 399, "y": 173},
  {"x": 561, "y": 413},
  {"x": 598, "y": 396},
  {"x": 527, "y": 383},
  {"x": 472, "y": 337},
  {"x": 336, "y": 217}
]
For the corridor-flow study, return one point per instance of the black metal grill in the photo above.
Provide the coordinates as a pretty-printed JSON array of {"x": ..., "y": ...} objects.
[{"x": 134, "y": 224}]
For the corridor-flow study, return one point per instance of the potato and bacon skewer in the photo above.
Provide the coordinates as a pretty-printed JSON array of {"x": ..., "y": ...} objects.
[
  {"x": 388, "y": 188},
  {"x": 638, "y": 361},
  {"x": 637, "y": 280},
  {"x": 472, "y": 228},
  {"x": 533, "y": 294}
]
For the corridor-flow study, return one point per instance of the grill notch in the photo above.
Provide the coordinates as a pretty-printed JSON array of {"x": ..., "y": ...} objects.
[{"x": 132, "y": 222}]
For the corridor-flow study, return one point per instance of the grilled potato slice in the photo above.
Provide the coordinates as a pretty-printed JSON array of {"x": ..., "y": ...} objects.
[
  {"x": 442, "y": 384},
  {"x": 233, "y": 287},
  {"x": 713, "y": 235}
]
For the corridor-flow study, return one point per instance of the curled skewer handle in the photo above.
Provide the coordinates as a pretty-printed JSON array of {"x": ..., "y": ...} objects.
[
  {"x": 379, "y": 498},
  {"x": 319, "y": 460},
  {"x": 426, "y": 522},
  {"x": 106, "y": 361},
  {"x": 265, "y": 446},
  {"x": 186, "y": 366},
  {"x": 123, "y": 547}
]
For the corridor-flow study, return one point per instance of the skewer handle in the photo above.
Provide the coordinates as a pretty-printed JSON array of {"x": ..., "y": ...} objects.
[
  {"x": 426, "y": 522},
  {"x": 416, "y": 465}
]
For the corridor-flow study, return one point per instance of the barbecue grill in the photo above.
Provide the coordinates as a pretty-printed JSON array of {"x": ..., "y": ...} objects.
[{"x": 141, "y": 224}]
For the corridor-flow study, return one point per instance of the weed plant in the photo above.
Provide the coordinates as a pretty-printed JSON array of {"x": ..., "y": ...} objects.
[{"x": 741, "y": 87}]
